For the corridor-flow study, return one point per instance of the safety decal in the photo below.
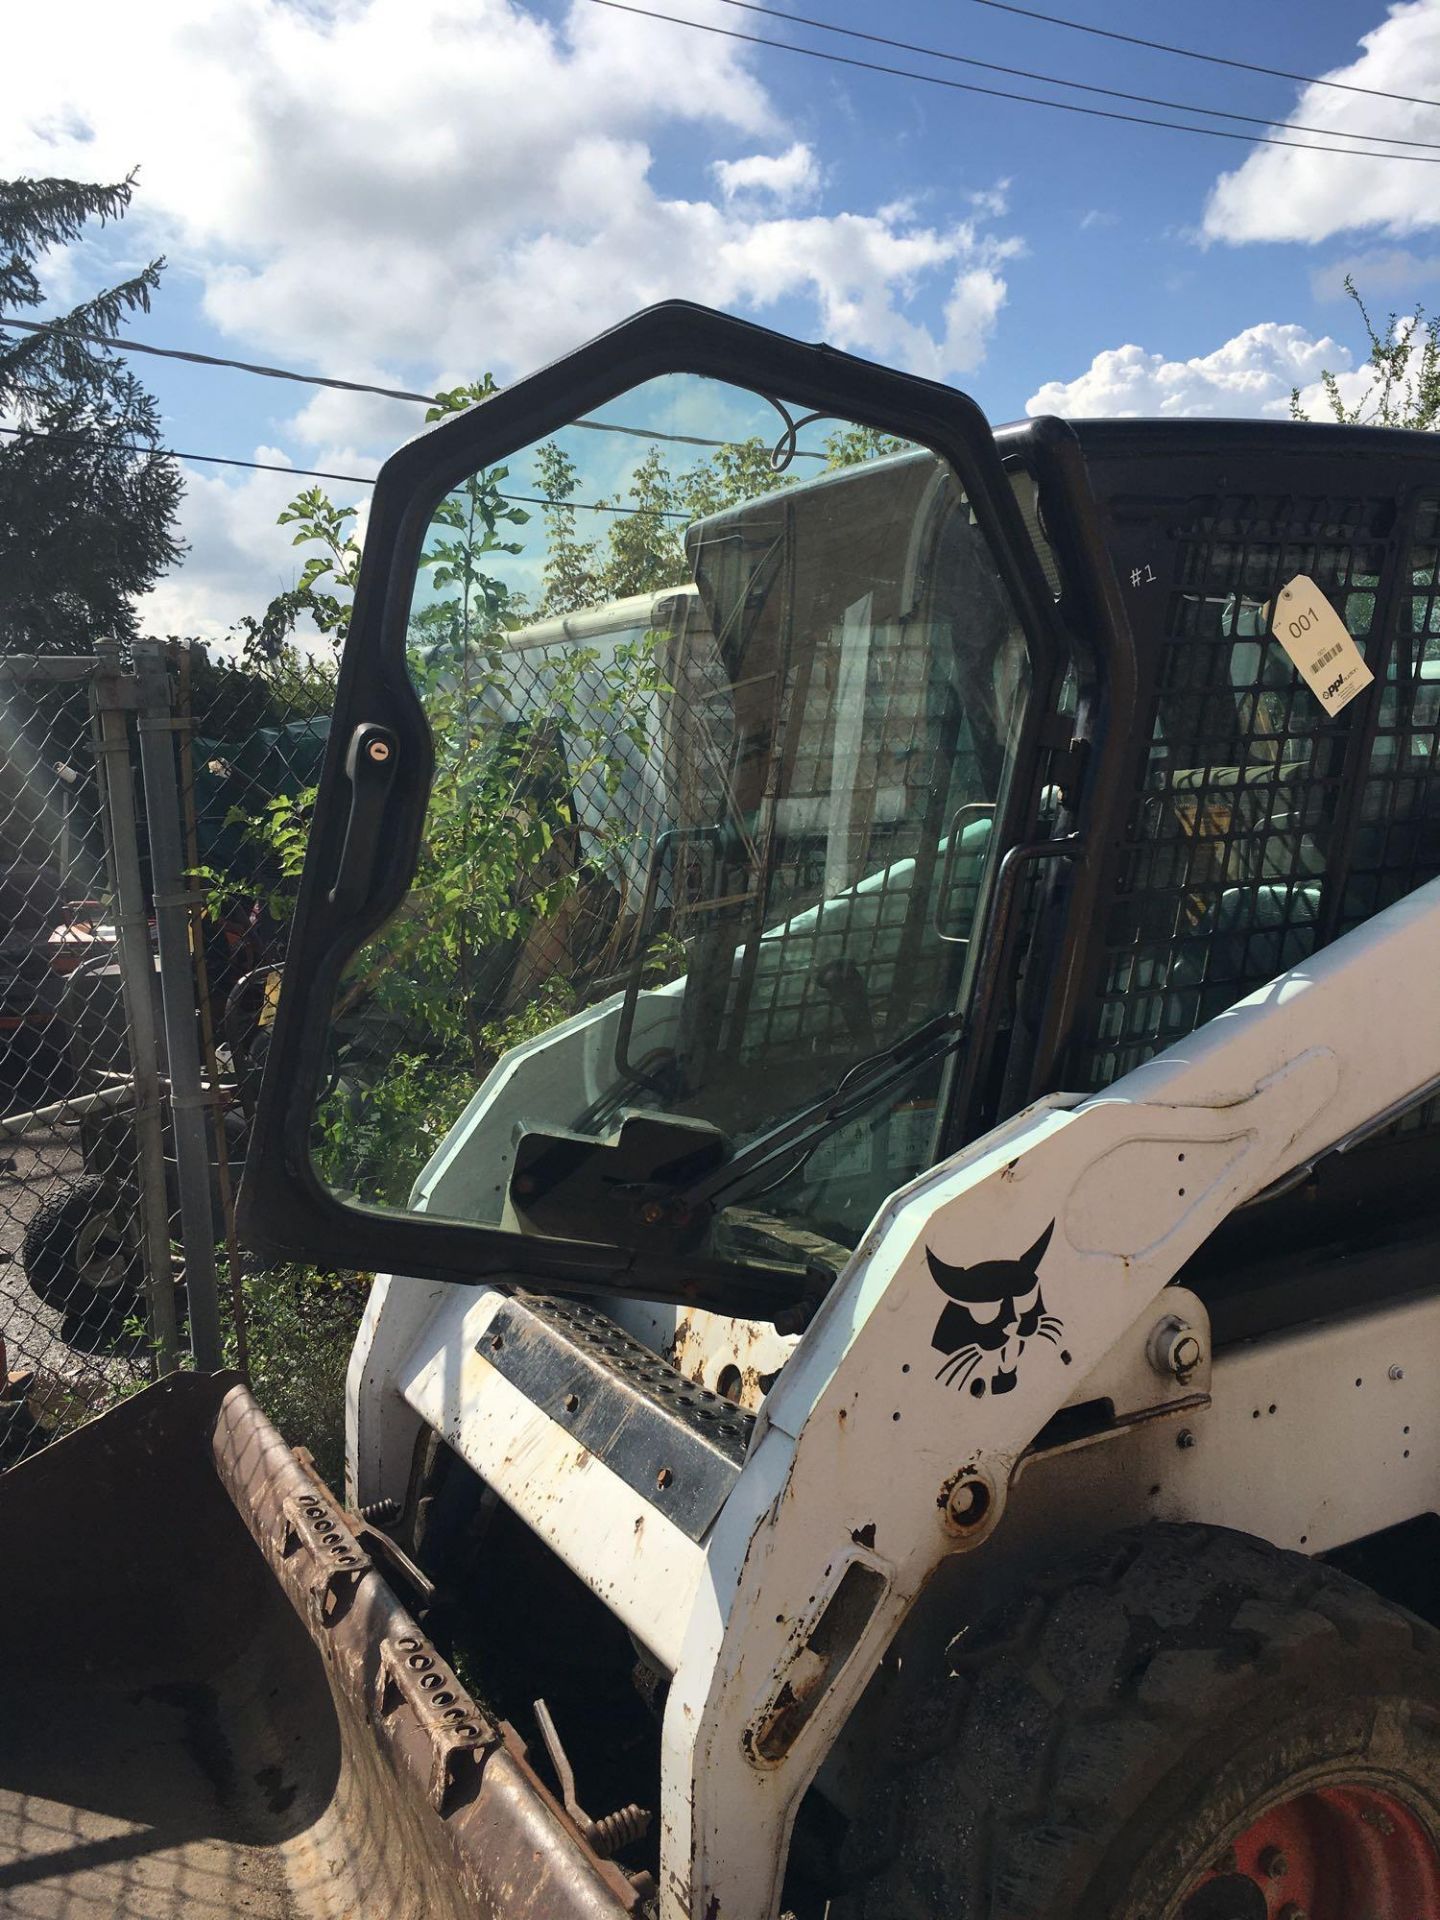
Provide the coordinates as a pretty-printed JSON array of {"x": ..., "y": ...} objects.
[{"x": 995, "y": 1309}]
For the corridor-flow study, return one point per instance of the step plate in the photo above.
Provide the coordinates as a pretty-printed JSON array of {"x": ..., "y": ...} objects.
[{"x": 678, "y": 1445}]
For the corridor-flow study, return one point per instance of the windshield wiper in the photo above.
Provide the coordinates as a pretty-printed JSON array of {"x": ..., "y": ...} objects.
[{"x": 796, "y": 1138}]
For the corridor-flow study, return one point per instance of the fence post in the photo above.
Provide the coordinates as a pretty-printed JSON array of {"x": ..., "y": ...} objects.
[
  {"x": 188, "y": 1099},
  {"x": 112, "y": 695}
]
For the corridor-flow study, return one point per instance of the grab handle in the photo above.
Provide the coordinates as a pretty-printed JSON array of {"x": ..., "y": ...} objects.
[{"x": 370, "y": 768}]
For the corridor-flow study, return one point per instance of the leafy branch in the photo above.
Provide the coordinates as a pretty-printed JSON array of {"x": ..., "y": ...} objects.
[{"x": 1404, "y": 363}]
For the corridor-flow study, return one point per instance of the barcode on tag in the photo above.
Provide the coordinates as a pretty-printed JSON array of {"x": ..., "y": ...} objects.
[{"x": 1315, "y": 637}]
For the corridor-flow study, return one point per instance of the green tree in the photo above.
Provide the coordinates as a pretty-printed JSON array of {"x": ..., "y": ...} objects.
[
  {"x": 503, "y": 852},
  {"x": 642, "y": 549},
  {"x": 849, "y": 446},
  {"x": 324, "y": 590},
  {"x": 511, "y": 916},
  {"x": 87, "y": 499},
  {"x": 1404, "y": 363}
]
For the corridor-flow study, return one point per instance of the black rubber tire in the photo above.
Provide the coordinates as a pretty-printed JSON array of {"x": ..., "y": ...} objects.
[
  {"x": 51, "y": 1251},
  {"x": 1097, "y": 1746}
]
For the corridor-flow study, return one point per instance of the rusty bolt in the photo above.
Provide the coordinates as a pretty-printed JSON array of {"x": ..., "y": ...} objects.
[
  {"x": 967, "y": 1503},
  {"x": 1184, "y": 1439},
  {"x": 379, "y": 751},
  {"x": 1175, "y": 1348},
  {"x": 1273, "y": 1864},
  {"x": 1185, "y": 1354}
]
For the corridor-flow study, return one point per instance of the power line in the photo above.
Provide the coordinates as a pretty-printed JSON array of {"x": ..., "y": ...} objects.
[
  {"x": 1212, "y": 59},
  {"x": 209, "y": 459},
  {"x": 215, "y": 360},
  {"x": 355, "y": 479},
  {"x": 1001, "y": 93},
  {"x": 127, "y": 345},
  {"x": 1078, "y": 86}
]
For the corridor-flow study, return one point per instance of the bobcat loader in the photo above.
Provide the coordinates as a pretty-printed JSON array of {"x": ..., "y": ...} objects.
[{"x": 903, "y": 1382}]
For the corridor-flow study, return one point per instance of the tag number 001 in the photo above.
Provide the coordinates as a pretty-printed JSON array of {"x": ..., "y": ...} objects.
[{"x": 1302, "y": 623}]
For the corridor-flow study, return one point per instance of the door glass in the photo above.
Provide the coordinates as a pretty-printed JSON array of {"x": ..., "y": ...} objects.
[{"x": 722, "y": 709}]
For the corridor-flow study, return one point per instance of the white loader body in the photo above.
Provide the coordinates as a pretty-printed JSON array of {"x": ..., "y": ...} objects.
[{"x": 870, "y": 1467}]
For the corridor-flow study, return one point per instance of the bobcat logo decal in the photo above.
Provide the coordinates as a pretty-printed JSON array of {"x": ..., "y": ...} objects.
[{"x": 994, "y": 1310}]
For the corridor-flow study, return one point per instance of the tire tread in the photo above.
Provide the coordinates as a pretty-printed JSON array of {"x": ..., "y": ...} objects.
[{"x": 1077, "y": 1696}]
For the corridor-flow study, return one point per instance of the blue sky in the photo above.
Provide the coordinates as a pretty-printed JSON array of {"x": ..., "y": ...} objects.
[{"x": 415, "y": 190}]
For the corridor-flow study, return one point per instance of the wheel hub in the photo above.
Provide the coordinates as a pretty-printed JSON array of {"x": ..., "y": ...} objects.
[
  {"x": 100, "y": 1254},
  {"x": 1332, "y": 1853}
]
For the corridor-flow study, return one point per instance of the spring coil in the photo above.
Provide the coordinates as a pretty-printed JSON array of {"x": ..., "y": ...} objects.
[
  {"x": 618, "y": 1829},
  {"x": 376, "y": 1513}
]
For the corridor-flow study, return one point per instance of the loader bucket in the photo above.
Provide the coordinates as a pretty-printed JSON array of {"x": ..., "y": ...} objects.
[{"x": 212, "y": 1702}]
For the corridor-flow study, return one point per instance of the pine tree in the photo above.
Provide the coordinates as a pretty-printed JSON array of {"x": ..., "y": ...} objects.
[{"x": 87, "y": 501}]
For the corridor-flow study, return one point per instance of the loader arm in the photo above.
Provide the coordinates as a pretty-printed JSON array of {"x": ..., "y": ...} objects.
[{"x": 869, "y": 1468}]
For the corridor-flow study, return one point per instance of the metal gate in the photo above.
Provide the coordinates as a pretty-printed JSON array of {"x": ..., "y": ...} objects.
[{"x": 119, "y": 1121}]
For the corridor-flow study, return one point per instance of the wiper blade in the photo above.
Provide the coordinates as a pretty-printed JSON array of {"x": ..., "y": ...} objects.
[{"x": 871, "y": 1075}]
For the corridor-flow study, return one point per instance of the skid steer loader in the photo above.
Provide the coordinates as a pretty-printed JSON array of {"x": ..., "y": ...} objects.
[{"x": 903, "y": 1377}]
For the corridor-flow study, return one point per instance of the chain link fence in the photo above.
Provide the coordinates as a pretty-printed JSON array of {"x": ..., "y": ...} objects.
[
  {"x": 152, "y": 820},
  {"x": 70, "y": 1230}
]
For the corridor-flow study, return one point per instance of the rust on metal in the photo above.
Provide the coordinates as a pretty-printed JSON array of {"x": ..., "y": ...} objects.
[
  {"x": 512, "y": 1846},
  {"x": 224, "y": 1704},
  {"x": 614, "y": 1830}
]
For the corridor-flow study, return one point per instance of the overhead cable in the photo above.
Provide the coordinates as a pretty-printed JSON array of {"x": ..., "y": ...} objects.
[
  {"x": 127, "y": 345},
  {"x": 217, "y": 360},
  {"x": 1078, "y": 86},
  {"x": 1002, "y": 93},
  {"x": 1211, "y": 59},
  {"x": 355, "y": 479}
]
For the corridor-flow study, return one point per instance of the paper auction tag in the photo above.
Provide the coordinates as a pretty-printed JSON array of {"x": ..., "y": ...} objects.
[{"x": 1315, "y": 637}]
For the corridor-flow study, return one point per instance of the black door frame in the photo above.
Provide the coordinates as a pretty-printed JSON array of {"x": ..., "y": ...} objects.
[{"x": 284, "y": 1209}]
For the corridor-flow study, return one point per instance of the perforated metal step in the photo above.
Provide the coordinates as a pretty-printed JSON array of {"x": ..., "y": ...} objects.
[{"x": 677, "y": 1444}]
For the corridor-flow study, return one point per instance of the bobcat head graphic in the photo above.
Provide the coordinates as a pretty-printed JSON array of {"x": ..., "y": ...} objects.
[{"x": 994, "y": 1309}]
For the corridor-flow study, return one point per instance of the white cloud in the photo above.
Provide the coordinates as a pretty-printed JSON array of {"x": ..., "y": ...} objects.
[
  {"x": 1378, "y": 272},
  {"x": 1251, "y": 375},
  {"x": 415, "y": 191},
  {"x": 434, "y": 183},
  {"x": 1283, "y": 194},
  {"x": 992, "y": 200},
  {"x": 333, "y": 419},
  {"x": 238, "y": 558},
  {"x": 790, "y": 177}
]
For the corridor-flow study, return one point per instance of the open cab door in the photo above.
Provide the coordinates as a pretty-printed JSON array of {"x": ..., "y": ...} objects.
[{"x": 691, "y": 698}]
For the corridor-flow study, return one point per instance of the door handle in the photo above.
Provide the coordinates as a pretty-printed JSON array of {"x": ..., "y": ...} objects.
[
  {"x": 370, "y": 761},
  {"x": 972, "y": 810}
]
